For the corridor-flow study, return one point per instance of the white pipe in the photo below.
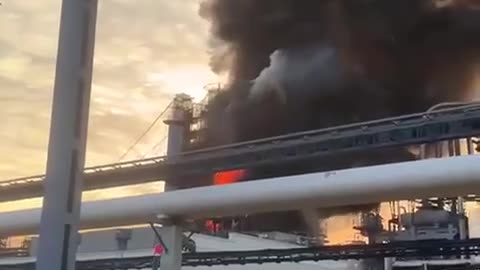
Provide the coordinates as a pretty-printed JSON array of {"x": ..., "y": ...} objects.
[{"x": 446, "y": 177}]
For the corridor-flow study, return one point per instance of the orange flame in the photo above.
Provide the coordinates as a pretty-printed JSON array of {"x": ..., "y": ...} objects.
[{"x": 228, "y": 177}]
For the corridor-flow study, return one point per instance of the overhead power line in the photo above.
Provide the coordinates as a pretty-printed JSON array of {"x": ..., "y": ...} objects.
[
  {"x": 135, "y": 143},
  {"x": 155, "y": 147}
]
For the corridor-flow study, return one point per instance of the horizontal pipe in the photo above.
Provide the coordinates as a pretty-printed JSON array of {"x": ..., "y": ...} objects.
[{"x": 448, "y": 177}]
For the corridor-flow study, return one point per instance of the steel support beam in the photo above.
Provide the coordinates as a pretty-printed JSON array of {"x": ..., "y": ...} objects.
[
  {"x": 66, "y": 151},
  {"x": 176, "y": 126},
  {"x": 172, "y": 236},
  {"x": 176, "y": 134},
  {"x": 306, "y": 146},
  {"x": 388, "y": 263}
]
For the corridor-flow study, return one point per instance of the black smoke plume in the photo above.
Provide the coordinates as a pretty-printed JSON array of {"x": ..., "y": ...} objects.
[{"x": 297, "y": 65}]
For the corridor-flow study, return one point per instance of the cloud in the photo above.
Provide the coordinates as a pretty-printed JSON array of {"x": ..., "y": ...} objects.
[{"x": 147, "y": 50}]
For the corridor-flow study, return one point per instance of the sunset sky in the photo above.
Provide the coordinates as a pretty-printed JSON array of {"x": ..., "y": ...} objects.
[{"x": 147, "y": 50}]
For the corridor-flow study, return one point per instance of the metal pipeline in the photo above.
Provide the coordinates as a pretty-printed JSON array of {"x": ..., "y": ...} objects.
[{"x": 447, "y": 177}]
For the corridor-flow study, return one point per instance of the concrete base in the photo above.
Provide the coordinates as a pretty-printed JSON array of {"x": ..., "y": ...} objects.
[{"x": 172, "y": 236}]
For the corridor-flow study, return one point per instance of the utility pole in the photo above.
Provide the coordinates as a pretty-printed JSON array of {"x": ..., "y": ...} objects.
[{"x": 68, "y": 134}]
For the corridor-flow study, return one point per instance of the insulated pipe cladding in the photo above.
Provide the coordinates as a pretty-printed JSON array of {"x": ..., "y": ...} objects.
[{"x": 456, "y": 176}]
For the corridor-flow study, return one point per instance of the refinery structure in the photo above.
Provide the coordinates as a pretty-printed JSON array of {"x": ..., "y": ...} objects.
[
  {"x": 311, "y": 126},
  {"x": 438, "y": 224}
]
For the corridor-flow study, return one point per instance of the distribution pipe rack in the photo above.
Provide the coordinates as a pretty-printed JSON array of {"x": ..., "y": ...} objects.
[
  {"x": 442, "y": 178},
  {"x": 428, "y": 127}
]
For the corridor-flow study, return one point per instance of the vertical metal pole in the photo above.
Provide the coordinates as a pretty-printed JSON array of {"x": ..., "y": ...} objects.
[
  {"x": 388, "y": 263},
  {"x": 176, "y": 134},
  {"x": 66, "y": 151},
  {"x": 462, "y": 226},
  {"x": 462, "y": 222},
  {"x": 176, "y": 126},
  {"x": 176, "y": 137},
  {"x": 313, "y": 221},
  {"x": 458, "y": 147},
  {"x": 470, "y": 146},
  {"x": 172, "y": 235}
]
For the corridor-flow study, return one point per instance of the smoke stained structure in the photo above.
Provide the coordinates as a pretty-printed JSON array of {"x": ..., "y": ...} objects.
[{"x": 301, "y": 65}]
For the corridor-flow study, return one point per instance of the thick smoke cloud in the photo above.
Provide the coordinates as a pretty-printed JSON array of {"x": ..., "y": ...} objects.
[
  {"x": 314, "y": 64},
  {"x": 299, "y": 65},
  {"x": 299, "y": 71}
]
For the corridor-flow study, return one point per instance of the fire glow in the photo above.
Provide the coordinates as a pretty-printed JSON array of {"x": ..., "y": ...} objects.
[{"x": 228, "y": 177}]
